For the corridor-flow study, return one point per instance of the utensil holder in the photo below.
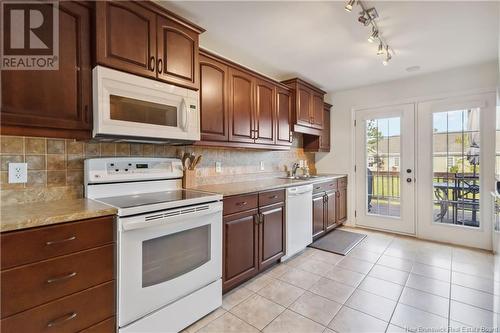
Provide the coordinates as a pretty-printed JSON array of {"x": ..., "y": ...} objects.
[{"x": 189, "y": 179}]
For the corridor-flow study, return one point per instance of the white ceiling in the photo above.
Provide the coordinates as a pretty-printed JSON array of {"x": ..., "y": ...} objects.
[{"x": 324, "y": 44}]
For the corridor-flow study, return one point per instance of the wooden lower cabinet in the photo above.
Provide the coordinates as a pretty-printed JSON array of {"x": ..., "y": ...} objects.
[
  {"x": 271, "y": 235},
  {"x": 253, "y": 238},
  {"x": 240, "y": 248},
  {"x": 67, "y": 286},
  {"x": 318, "y": 215},
  {"x": 329, "y": 206}
]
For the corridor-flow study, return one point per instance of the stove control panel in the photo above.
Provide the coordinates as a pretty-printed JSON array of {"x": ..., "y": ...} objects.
[{"x": 131, "y": 169}]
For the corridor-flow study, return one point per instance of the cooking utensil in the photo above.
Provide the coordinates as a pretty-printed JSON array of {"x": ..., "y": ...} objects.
[{"x": 195, "y": 162}]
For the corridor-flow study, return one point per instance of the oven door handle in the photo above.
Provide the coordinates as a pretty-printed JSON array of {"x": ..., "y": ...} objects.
[
  {"x": 170, "y": 216},
  {"x": 184, "y": 115}
]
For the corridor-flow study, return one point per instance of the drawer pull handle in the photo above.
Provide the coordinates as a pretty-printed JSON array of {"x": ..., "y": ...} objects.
[
  {"x": 62, "y": 319},
  {"x": 243, "y": 203},
  {"x": 61, "y": 241},
  {"x": 273, "y": 197},
  {"x": 318, "y": 188},
  {"x": 61, "y": 278}
]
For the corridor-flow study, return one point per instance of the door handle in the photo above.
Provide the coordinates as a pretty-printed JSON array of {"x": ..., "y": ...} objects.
[
  {"x": 152, "y": 64},
  {"x": 160, "y": 66}
]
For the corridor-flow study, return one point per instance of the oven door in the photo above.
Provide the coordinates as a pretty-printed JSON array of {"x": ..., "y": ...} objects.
[
  {"x": 166, "y": 255},
  {"x": 127, "y": 105}
]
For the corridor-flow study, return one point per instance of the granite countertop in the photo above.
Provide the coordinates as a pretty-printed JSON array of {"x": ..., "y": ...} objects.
[
  {"x": 263, "y": 184},
  {"x": 36, "y": 214}
]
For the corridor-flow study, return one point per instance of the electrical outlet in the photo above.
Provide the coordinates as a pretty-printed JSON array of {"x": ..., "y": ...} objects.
[
  {"x": 261, "y": 165},
  {"x": 18, "y": 173},
  {"x": 218, "y": 167}
]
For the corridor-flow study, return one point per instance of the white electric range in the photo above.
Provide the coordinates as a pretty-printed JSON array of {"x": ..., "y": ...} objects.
[{"x": 169, "y": 242}]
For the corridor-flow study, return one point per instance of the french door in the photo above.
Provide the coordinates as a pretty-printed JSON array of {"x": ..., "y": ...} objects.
[
  {"x": 385, "y": 175},
  {"x": 456, "y": 157}
]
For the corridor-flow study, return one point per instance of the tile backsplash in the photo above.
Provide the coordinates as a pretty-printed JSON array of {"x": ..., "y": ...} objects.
[{"x": 55, "y": 166}]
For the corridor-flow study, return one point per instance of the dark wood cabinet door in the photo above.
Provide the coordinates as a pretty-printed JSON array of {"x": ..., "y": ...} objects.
[
  {"x": 318, "y": 215},
  {"x": 304, "y": 101},
  {"x": 324, "y": 142},
  {"x": 126, "y": 37},
  {"x": 330, "y": 210},
  {"x": 271, "y": 235},
  {"x": 283, "y": 117},
  {"x": 241, "y": 106},
  {"x": 177, "y": 55},
  {"x": 213, "y": 100},
  {"x": 341, "y": 204},
  {"x": 34, "y": 103},
  {"x": 240, "y": 248},
  {"x": 317, "y": 111},
  {"x": 265, "y": 112}
]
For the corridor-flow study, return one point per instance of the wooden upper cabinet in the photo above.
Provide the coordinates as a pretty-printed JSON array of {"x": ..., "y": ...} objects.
[
  {"x": 317, "y": 111},
  {"x": 265, "y": 112},
  {"x": 213, "y": 100},
  {"x": 307, "y": 107},
  {"x": 241, "y": 106},
  {"x": 283, "y": 117},
  {"x": 320, "y": 143},
  {"x": 304, "y": 98},
  {"x": 177, "y": 55},
  {"x": 33, "y": 103},
  {"x": 126, "y": 37}
]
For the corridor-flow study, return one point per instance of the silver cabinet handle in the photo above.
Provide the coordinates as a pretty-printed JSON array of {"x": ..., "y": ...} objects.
[
  {"x": 61, "y": 278},
  {"x": 61, "y": 241},
  {"x": 62, "y": 319}
]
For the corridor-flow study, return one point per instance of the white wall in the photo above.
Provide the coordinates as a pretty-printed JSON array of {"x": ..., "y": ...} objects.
[{"x": 411, "y": 90}]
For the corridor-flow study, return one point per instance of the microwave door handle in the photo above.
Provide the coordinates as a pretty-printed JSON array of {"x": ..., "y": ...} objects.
[{"x": 184, "y": 117}]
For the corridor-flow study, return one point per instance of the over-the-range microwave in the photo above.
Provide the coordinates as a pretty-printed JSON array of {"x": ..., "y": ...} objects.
[{"x": 132, "y": 108}]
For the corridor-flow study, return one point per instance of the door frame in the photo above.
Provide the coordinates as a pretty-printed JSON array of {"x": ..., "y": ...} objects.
[
  {"x": 479, "y": 237},
  {"x": 412, "y": 99},
  {"x": 407, "y": 215}
]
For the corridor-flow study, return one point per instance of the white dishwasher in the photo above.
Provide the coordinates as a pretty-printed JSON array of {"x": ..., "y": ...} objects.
[{"x": 298, "y": 219}]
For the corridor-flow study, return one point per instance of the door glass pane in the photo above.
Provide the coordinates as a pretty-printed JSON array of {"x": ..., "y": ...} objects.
[
  {"x": 383, "y": 147},
  {"x": 167, "y": 257},
  {"x": 134, "y": 110},
  {"x": 455, "y": 165}
]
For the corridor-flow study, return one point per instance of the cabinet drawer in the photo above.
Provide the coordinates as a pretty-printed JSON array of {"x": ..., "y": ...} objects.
[
  {"x": 106, "y": 326},
  {"x": 342, "y": 182},
  {"x": 318, "y": 187},
  {"x": 331, "y": 185},
  {"x": 27, "y": 246},
  {"x": 240, "y": 203},
  {"x": 69, "y": 314},
  {"x": 28, "y": 286},
  {"x": 271, "y": 197}
]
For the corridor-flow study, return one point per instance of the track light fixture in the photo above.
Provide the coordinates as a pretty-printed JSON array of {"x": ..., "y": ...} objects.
[
  {"x": 368, "y": 17},
  {"x": 349, "y": 4},
  {"x": 380, "y": 50},
  {"x": 373, "y": 37}
]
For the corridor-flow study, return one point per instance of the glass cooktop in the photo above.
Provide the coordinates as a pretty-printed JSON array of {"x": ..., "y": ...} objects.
[{"x": 144, "y": 199}]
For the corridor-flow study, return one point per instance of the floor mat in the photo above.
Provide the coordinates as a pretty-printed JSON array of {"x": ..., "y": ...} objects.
[{"x": 338, "y": 241}]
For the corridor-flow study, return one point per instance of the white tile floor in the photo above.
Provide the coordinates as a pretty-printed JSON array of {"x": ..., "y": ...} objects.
[{"x": 386, "y": 284}]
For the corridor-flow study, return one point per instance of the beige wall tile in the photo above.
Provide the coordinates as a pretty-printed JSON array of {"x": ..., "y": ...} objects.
[
  {"x": 75, "y": 147},
  {"x": 36, "y": 162},
  {"x": 108, "y": 149},
  {"x": 35, "y": 146},
  {"x": 6, "y": 159},
  {"x": 11, "y": 144},
  {"x": 148, "y": 150},
  {"x": 75, "y": 162},
  {"x": 122, "y": 149},
  {"x": 136, "y": 149},
  {"x": 55, "y": 146},
  {"x": 74, "y": 177},
  {"x": 56, "y": 162},
  {"x": 56, "y": 178},
  {"x": 92, "y": 149},
  {"x": 4, "y": 182},
  {"x": 36, "y": 179}
]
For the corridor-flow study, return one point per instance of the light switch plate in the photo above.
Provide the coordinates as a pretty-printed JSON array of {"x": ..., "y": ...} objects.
[
  {"x": 218, "y": 167},
  {"x": 18, "y": 173}
]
